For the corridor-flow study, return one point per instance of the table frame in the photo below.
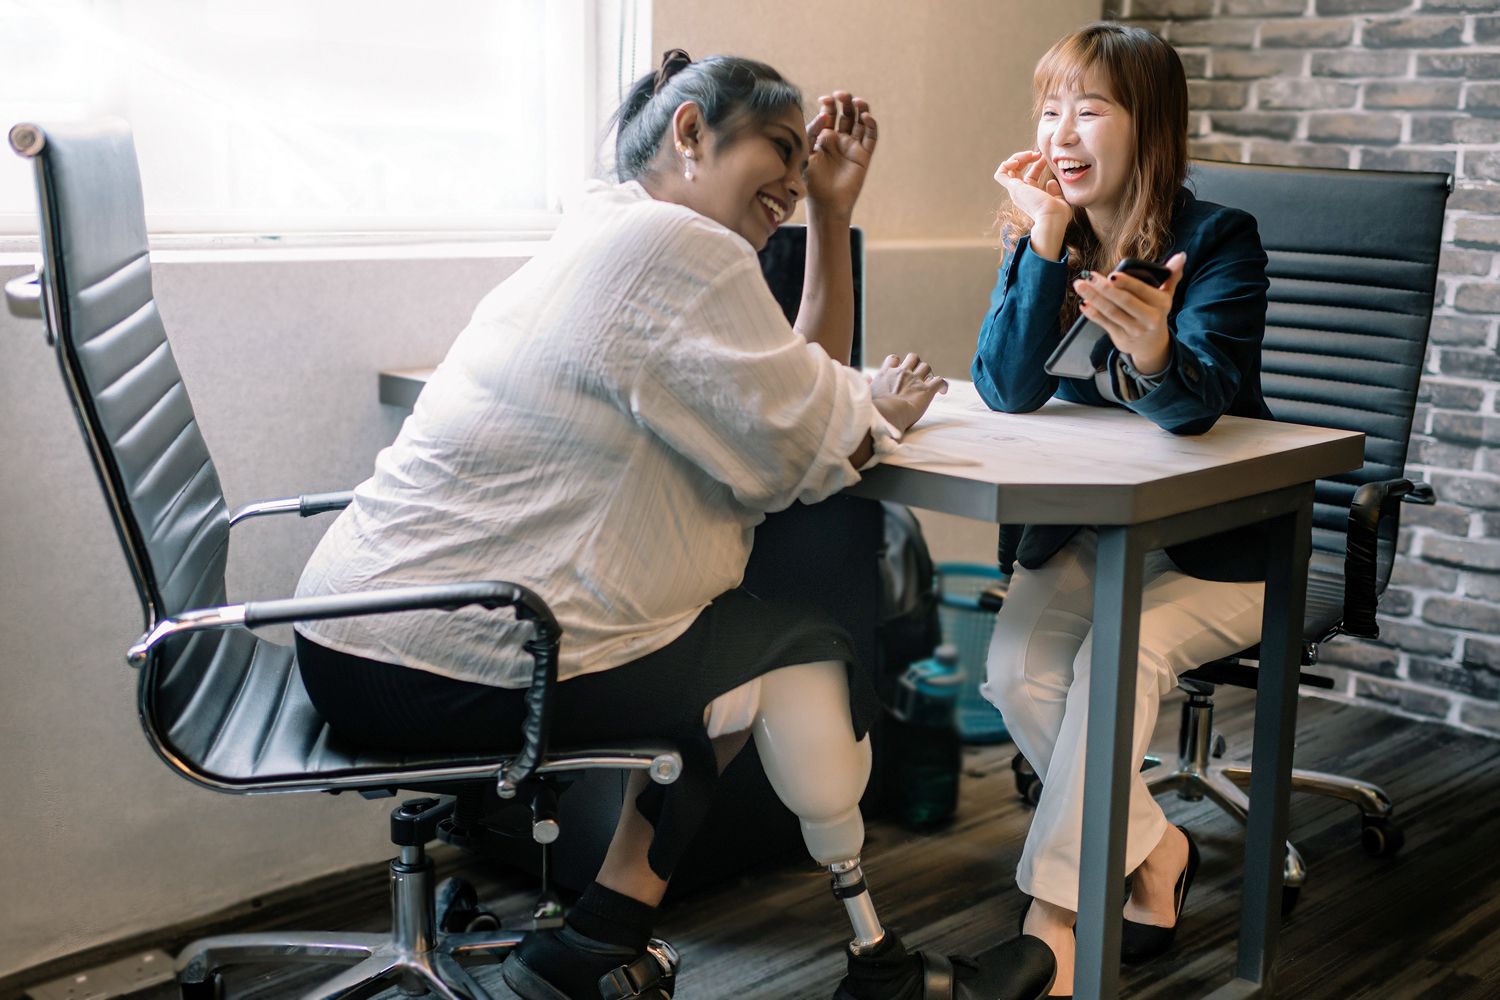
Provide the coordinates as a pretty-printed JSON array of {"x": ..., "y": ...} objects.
[
  {"x": 1117, "y": 614},
  {"x": 1109, "y": 761}
]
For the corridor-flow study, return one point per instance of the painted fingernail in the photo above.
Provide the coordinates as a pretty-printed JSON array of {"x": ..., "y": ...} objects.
[
  {"x": 1112, "y": 277},
  {"x": 1085, "y": 275}
]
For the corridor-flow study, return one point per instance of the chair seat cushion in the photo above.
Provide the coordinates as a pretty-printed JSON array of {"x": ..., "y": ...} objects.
[{"x": 239, "y": 713}]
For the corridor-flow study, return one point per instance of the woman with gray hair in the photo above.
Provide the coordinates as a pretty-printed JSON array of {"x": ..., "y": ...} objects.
[{"x": 610, "y": 428}]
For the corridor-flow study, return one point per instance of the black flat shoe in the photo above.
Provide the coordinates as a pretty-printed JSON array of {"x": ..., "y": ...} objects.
[
  {"x": 565, "y": 965},
  {"x": 1143, "y": 942},
  {"x": 1021, "y": 929},
  {"x": 1021, "y": 969}
]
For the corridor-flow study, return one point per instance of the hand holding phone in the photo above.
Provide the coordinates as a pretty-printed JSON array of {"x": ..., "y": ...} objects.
[{"x": 1075, "y": 353}]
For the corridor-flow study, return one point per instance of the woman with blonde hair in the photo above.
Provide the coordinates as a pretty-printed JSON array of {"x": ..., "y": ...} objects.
[{"x": 1106, "y": 182}]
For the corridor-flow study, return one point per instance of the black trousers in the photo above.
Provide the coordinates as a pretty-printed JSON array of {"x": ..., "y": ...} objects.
[{"x": 810, "y": 593}]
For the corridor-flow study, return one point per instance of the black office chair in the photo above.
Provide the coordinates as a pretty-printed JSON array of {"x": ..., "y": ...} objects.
[
  {"x": 1353, "y": 263},
  {"x": 220, "y": 705}
]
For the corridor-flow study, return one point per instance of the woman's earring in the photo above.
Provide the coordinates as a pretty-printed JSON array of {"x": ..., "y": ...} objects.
[{"x": 687, "y": 161}]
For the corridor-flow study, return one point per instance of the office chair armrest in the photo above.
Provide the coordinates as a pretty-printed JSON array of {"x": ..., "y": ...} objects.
[
  {"x": 537, "y": 729},
  {"x": 434, "y": 597},
  {"x": 305, "y": 505},
  {"x": 23, "y": 295},
  {"x": 528, "y": 606},
  {"x": 1372, "y": 503}
]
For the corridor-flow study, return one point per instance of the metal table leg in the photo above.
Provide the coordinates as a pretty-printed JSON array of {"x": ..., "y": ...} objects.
[
  {"x": 1275, "y": 733},
  {"x": 1107, "y": 768},
  {"x": 1290, "y": 543}
]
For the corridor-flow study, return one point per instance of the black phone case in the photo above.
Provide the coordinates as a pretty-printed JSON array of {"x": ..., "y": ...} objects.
[{"x": 1074, "y": 356}]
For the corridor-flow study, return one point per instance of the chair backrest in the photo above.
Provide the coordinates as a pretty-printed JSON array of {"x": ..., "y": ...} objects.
[
  {"x": 782, "y": 261},
  {"x": 159, "y": 482},
  {"x": 1353, "y": 264},
  {"x": 161, "y": 486},
  {"x": 224, "y": 708}
]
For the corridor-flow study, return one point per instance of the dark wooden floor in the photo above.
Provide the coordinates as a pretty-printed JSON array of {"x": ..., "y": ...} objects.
[{"x": 1425, "y": 924}]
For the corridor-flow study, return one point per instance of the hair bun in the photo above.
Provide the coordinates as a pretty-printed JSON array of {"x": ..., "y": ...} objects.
[{"x": 673, "y": 61}]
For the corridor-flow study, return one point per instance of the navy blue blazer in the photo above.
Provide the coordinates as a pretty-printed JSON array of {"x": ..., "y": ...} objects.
[{"x": 1218, "y": 321}]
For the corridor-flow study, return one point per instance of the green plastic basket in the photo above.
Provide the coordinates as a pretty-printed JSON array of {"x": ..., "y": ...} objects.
[{"x": 967, "y": 626}]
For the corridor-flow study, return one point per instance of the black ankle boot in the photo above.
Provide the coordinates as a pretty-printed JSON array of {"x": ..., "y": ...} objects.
[
  {"x": 1022, "y": 969},
  {"x": 565, "y": 965}
]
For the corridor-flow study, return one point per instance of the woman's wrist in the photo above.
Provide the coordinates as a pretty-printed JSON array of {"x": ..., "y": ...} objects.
[
  {"x": 1047, "y": 238},
  {"x": 828, "y": 219},
  {"x": 1153, "y": 363},
  {"x": 894, "y": 411}
]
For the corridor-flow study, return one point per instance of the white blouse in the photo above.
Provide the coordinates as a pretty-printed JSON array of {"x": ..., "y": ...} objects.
[{"x": 615, "y": 420}]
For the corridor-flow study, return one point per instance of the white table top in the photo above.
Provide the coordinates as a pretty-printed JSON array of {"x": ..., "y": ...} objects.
[{"x": 1073, "y": 464}]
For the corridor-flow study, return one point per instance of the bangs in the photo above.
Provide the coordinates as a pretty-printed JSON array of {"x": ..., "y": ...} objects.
[{"x": 1064, "y": 66}]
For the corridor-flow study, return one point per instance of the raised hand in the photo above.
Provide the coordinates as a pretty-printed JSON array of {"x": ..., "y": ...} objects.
[
  {"x": 1032, "y": 188},
  {"x": 842, "y": 137}
]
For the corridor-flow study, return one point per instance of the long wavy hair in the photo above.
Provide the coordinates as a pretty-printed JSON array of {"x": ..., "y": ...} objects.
[{"x": 1146, "y": 79}]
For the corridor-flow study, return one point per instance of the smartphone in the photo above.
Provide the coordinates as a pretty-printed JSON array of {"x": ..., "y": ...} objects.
[{"x": 1075, "y": 354}]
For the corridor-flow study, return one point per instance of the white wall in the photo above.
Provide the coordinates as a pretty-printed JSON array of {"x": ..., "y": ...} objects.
[{"x": 101, "y": 840}]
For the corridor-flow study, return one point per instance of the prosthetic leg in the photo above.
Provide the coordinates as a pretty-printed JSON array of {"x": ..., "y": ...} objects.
[{"x": 805, "y": 738}]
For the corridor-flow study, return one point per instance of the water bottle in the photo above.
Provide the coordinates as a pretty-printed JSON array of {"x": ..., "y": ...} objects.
[{"x": 925, "y": 752}]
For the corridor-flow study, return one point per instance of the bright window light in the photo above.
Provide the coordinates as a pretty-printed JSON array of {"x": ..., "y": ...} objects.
[{"x": 328, "y": 116}]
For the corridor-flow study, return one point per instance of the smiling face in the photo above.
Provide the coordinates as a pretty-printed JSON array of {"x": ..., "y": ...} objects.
[
  {"x": 752, "y": 182},
  {"x": 1089, "y": 142}
]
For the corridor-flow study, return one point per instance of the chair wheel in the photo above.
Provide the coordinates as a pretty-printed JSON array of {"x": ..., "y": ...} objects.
[
  {"x": 1380, "y": 837},
  {"x": 1028, "y": 785},
  {"x": 483, "y": 921},
  {"x": 211, "y": 988},
  {"x": 1289, "y": 896},
  {"x": 458, "y": 909}
]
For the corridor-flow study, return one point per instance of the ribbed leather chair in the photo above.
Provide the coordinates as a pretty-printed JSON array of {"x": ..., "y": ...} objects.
[
  {"x": 1353, "y": 263},
  {"x": 221, "y": 706}
]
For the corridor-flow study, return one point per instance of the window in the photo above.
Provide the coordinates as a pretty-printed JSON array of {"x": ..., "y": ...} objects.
[{"x": 299, "y": 116}]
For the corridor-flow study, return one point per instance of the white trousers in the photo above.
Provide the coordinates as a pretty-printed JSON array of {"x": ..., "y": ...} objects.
[{"x": 1038, "y": 676}]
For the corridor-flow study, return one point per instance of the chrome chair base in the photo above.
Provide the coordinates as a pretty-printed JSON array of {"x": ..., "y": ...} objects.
[
  {"x": 415, "y": 956},
  {"x": 1197, "y": 777}
]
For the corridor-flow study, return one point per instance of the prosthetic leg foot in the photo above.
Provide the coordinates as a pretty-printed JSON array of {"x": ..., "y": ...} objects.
[{"x": 806, "y": 741}]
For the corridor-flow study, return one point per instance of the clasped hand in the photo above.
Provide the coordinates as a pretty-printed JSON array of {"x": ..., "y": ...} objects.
[
  {"x": 1133, "y": 313},
  {"x": 842, "y": 139},
  {"x": 903, "y": 388}
]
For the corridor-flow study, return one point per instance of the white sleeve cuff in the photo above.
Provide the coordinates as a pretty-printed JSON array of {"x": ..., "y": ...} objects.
[{"x": 885, "y": 438}]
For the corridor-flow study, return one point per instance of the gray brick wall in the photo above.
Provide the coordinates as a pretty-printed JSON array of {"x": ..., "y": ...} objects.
[{"x": 1390, "y": 85}]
